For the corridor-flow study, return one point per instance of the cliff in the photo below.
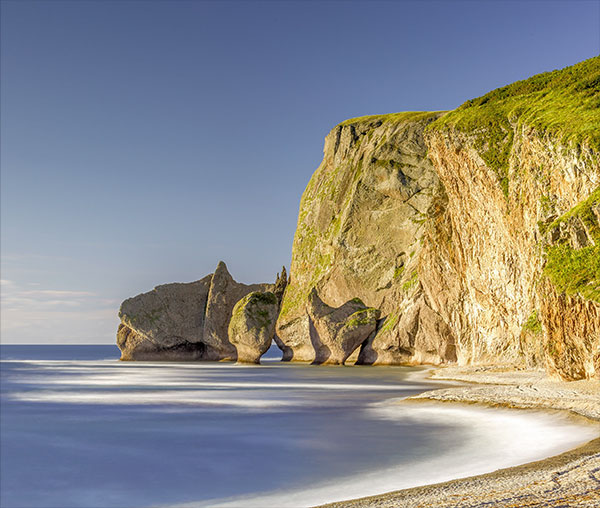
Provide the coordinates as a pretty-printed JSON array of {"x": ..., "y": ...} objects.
[
  {"x": 475, "y": 233},
  {"x": 359, "y": 234},
  {"x": 470, "y": 236}
]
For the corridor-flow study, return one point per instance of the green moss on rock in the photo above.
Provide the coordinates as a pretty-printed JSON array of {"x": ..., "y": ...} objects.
[
  {"x": 577, "y": 271},
  {"x": 412, "y": 282},
  {"x": 533, "y": 324}
]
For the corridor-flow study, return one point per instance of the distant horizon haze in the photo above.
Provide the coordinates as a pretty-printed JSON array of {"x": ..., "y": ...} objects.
[{"x": 145, "y": 141}]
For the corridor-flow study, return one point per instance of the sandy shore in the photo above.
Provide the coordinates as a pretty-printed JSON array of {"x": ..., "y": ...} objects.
[{"x": 571, "y": 479}]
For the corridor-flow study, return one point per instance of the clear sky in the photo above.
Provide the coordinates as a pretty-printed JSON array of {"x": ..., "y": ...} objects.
[{"x": 143, "y": 141}]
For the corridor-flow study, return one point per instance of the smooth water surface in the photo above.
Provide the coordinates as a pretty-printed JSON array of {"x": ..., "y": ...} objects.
[{"x": 81, "y": 429}]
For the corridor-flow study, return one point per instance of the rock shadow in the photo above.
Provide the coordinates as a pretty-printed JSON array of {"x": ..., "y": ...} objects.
[{"x": 322, "y": 352}]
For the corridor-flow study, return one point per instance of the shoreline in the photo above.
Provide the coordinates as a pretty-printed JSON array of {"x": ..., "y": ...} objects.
[{"x": 559, "y": 480}]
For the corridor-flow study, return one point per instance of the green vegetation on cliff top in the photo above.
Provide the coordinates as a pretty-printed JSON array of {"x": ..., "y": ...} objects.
[
  {"x": 577, "y": 271},
  {"x": 564, "y": 102},
  {"x": 404, "y": 116}
]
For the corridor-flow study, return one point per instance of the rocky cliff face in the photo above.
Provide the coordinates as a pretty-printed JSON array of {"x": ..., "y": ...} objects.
[
  {"x": 471, "y": 236},
  {"x": 483, "y": 265},
  {"x": 476, "y": 233},
  {"x": 359, "y": 234},
  {"x": 183, "y": 321}
]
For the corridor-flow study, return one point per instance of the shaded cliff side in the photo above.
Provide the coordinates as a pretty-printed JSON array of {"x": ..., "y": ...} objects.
[{"x": 476, "y": 233}]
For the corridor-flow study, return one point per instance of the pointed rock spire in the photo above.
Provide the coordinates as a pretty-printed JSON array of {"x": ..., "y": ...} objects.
[{"x": 280, "y": 284}]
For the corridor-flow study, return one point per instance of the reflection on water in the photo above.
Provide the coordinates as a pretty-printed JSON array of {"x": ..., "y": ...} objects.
[{"x": 80, "y": 429}]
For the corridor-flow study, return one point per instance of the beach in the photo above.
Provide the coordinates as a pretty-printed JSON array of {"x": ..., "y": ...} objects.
[
  {"x": 221, "y": 434},
  {"x": 569, "y": 479}
]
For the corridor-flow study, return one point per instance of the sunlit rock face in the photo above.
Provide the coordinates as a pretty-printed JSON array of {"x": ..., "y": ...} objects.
[
  {"x": 252, "y": 325},
  {"x": 489, "y": 252},
  {"x": 183, "y": 321},
  {"x": 476, "y": 233},
  {"x": 335, "y": 333},
  {"x": 360, "y": 229}
]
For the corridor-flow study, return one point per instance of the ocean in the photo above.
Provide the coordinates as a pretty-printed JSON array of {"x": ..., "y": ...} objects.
[{"x": 80, "y": 429}]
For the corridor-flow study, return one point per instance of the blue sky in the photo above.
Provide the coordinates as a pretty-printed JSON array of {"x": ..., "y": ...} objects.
[{"x": 143, "y": 141}]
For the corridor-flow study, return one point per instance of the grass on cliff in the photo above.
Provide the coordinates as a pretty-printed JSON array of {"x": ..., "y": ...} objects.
[
  {"x": 533, "y": 324},
  {"x": 404, "y": 116},
  {"x": 577, "y": 271},
  {"x": 564, "y": 103}
]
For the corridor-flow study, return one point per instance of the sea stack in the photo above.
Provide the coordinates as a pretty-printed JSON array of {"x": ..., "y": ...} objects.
[{"x": 183, "y": 321}]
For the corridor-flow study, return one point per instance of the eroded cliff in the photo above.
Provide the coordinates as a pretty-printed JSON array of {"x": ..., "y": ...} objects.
[
  {"x": 471, "y": 236},
  {"x": 476, "y": 233},
  {"x": 359, "y": 234}
]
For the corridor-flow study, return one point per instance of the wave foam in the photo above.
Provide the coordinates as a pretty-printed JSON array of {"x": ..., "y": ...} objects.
[{"x": 500, "y": 438}]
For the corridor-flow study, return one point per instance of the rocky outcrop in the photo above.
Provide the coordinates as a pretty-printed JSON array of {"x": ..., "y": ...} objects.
[
  {"x": 335, "y": 333},
  {"x": 183, "y": 321},
  {"x": 281, "y": 282},
  {"x": 252, "y": 325},
  {"x": 417, "y": 335},
  {"x": 473, "y": 236},
  {"x": 360, "y": 232},
  {"x": 495, "y": 261}
]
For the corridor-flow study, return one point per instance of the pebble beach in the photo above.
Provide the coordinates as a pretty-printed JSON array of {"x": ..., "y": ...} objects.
[{"x": 571, "y": 479}]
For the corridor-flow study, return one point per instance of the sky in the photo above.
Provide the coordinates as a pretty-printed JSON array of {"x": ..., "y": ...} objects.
[{"x": 144, "y": 141}]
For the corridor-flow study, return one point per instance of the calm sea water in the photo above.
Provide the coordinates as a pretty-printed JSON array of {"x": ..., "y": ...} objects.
[{"x": 81, "y": 429}]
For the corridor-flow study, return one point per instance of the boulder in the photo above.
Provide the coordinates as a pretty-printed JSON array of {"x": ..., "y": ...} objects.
[
  {"x": 335, "y": 333},
  {"x": 409, "y": 337},
  {"x": 252, "y": 325}
]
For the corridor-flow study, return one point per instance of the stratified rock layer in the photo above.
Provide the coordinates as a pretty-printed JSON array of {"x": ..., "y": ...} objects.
[
  {"x": 484, "y": 258},
  {"x": 252, "y": 325},
  {"x": 335, "y": 333},
  {"x": 183, "y": 321}
]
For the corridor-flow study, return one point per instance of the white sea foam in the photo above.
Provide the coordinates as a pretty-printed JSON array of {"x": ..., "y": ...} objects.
[
  {"x": 172, "y": 397},
  {"x": 145, "y": 380},
  {"x": 94, "y": 373},
  {"x": 499, "y": 438}
]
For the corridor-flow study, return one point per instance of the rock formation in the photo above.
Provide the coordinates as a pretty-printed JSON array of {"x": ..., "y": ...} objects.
[
  {"x": 252, "y": 325},
  {"x": 360, "y": 230},
  {"x": 475, "y": 232},
  {"x": 509, "y": 259},
  {"x": 183, "y": 321},
  {"x": 336, "y": 332},
  {"x": 281, "y": 282}
]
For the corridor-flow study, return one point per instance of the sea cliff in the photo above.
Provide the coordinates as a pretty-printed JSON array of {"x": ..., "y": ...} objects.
[
  {"x": 475, "y": 232},
  {"x": 470, "y": 237}
]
